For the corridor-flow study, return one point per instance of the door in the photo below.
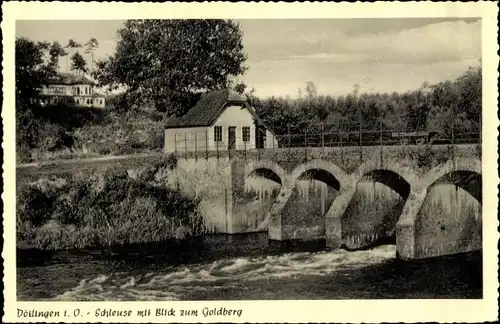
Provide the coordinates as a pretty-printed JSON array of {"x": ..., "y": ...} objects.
[
  {"x": 260, "y": 137},
  {"x": 231, "y": 141}
]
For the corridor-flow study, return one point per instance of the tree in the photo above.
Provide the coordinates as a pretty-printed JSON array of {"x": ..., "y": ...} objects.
[
  {"x": 31, "y": 70},
  {"x": 78, "y": 63},
  {"x": 91, "y": 46},
  {"x": 73, "y": 44},
  {"x": 240, "y": 88},
  {"x": 469, "y": 88},
  {"x": 167, "y": 61},
  {"x": 55, "y": 52},
  {"x": 311, "y": 90},
  {"x": 31, "y": 75}
]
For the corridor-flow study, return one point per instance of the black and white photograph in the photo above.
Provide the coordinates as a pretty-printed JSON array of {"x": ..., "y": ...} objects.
[{"x": 248, "y": 159}]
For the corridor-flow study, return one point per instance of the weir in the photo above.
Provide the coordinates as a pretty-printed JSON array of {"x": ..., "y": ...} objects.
[{"x": 350, "y": 204}]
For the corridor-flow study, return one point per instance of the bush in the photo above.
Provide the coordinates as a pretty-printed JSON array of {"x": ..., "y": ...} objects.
[
  {"x": 158, "y": 142},
  {"x": 104, "y": 150},
  {"x": 36, "y": 206},
  {"x": 171, "y": 161},
  {"x": 115, "y": 209}
]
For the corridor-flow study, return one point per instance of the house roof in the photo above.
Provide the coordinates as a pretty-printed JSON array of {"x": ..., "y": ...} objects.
[
  {"x": 69, "y": 79},
  {"x": 208, "y": 109}
]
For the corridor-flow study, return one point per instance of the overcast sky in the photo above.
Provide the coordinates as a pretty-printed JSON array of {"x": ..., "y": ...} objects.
[{"x": 382, "y": 55}]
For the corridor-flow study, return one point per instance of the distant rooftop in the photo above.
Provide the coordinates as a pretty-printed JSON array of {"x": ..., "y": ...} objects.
[{"x": 69, "y": 79}]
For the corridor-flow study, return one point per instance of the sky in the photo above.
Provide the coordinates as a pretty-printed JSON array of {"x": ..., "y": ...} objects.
[{"x": 380, "y": 55}]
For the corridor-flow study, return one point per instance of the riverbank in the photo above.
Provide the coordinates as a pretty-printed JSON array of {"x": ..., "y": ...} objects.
[{"x": 81, "y": 210}]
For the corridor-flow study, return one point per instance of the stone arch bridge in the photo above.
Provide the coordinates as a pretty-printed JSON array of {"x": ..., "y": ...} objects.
[
  {"x": 270, "y": 190},
  {"x": 411, "y": 176}
]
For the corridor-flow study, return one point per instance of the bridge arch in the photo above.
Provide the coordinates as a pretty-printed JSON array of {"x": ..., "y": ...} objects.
[
  {"x": 464, "y": 173},
  {"x": 324, "y": 171},
  {"x": 401, "y": 179},
  {"x": 430, "y": 225},
  {"x": 372, "y": 213},
  {"x": 266, "y": 169}
]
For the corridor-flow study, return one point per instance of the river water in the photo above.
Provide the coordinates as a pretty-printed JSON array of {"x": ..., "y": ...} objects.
[{"x": 222, "y": 267}]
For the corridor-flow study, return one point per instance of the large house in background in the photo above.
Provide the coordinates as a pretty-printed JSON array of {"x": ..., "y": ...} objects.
[
  {"x": 72, "y": 90},
  {"x": 221, "y": 120}
]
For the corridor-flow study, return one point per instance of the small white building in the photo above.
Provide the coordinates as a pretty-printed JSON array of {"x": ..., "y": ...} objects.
[
  {"x": 222, "y": 120},
  {"x": 73, "y": 90}
]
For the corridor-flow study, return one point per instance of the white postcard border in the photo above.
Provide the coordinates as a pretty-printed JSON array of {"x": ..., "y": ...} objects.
[{"x": 267, "y": 311}]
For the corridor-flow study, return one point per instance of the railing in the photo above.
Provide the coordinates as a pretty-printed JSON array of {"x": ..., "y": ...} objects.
[{"x": 321, "y": 136}]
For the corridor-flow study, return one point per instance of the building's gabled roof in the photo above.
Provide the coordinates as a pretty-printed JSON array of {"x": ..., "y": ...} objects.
[
  {"x": 69, "y": 79},
  {"x": 208, "y": 109}
]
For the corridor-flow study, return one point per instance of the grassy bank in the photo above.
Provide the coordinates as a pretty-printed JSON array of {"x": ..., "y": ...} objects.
[{"x": 114, "y": 208}]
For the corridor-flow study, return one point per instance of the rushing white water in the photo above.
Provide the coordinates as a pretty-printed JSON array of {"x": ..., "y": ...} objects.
[{"x": 174, "y": 283}]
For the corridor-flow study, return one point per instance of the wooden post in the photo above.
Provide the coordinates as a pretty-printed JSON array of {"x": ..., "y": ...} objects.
[
  {"x": 453, "y": 134},
  {"x": 272, "y": 138},
  {"x": 195, "y": 146},
  {"x": 289, "y": 145},
  {"x": 381, "y": 143},
  {"x": 206, "y": 144},
  {"x": 228, "y": 146},
  {"x": 259, "y": 142},
  {"x": 323, "y": 137},
  {"x": 305, "y": 144},
  {"x": 341, "y": 146},
  {"x": 360, "y": 146},
  {"x": 185, "y": 142},
  {"x": 245, "y": 152},
  {"x": 175, "y": 142}
]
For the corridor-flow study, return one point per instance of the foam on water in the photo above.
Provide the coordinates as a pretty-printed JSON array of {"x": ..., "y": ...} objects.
[{"x": 222, "y": 274}]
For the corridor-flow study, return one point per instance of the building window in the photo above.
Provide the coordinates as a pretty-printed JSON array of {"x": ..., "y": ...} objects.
[
  {"x": 246, "y": 133},
  {"x": 218, "y": 134},
  {"x": 57, "y": 90}
]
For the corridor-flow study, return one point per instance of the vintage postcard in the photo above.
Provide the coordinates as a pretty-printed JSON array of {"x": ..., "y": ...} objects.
[{"x": 248, "y": 162}]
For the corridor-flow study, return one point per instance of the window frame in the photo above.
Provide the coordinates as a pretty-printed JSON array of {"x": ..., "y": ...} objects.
[
  {"x": 243, "y": 133},
  {"x": 218, "y": 136}
]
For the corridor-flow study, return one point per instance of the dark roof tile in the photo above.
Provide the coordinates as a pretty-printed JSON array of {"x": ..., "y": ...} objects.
[
  {"x": 208, "y": 109},
  {"x": 69, "y": 79}
]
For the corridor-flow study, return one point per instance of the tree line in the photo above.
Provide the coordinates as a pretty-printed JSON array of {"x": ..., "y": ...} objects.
[
  {"x": 429, "y": 108},
  {"x": 167, "y": 64}
]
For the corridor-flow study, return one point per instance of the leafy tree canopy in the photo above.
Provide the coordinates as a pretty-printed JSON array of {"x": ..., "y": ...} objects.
[
  {"x": 55, "y": 52},
  {"x": 92, "y": 44},
  {"x": 73, "y": 44},
  {"x": 78, "y": 63},
  {"x": 167, "y": 61},
  {"x": 429, "y": 108},
  {"x": 31, "y": 69}
]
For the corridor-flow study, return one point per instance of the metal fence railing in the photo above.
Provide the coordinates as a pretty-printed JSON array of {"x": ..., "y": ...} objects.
[{"x": 321, "y": 136}]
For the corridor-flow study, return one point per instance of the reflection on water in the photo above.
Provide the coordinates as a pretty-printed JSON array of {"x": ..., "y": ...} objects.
[{"x": 245, "y": 267}]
